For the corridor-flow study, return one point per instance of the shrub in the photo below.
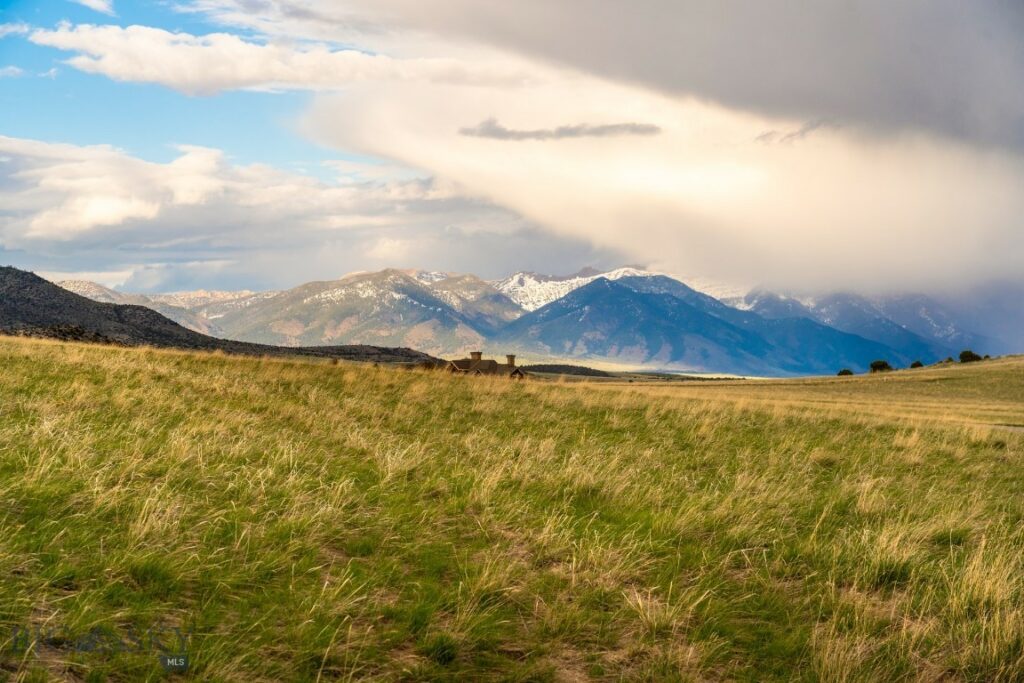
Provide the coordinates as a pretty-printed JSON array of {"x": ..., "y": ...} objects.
[
  {"x": 968, "y": 356},
  {"x": 442, "y": 648},
  {"x": 880, "y": 366},
  {"x": 917, "y": 364},
  {"x": 845, "y": 372}
]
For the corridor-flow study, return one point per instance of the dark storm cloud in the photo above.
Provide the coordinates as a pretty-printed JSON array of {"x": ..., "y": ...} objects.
[
  {"x": 495, "y": 131},
  {"x": 947, "y": 66},
  {"x": 782, "y": 137}
]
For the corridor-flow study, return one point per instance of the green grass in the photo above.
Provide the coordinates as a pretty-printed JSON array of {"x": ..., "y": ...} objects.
[{"x": 302, "y": 521}]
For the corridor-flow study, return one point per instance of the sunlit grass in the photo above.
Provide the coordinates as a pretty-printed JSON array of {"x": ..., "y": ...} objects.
[{"x": 317, "y": 522}]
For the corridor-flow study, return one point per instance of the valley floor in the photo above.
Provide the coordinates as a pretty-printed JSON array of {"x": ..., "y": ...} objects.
[
  {"x": 301, "y": 521},
  {"x": 983, "y": 393}
]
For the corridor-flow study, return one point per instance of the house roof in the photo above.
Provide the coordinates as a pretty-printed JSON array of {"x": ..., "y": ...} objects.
[{"x": 485, "y": 367}]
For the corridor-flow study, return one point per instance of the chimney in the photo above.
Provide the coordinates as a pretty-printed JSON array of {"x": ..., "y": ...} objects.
[
  {"x": 511, "y": 358},
  {"x": 476, "y": 356}
]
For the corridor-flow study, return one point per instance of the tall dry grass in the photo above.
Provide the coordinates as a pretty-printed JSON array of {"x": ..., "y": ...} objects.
[{"x": 314, "y": 522}]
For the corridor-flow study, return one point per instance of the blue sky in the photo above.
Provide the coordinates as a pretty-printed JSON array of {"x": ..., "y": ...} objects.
[{"x": 145, "y": 120}]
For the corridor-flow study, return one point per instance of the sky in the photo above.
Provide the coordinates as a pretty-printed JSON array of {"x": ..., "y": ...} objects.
[{"x": 221, "y": 144}]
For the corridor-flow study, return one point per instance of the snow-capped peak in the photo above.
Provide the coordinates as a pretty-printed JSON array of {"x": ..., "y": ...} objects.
[{"x": 531, "y": 291}]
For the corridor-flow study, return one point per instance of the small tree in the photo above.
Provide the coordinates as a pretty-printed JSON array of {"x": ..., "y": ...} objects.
[
  {"x": 917, "y": 364},
  {"x": 845, "y": 372},
  {"x": 880, "y": 366},
  {"x": 968, "y": 356}
]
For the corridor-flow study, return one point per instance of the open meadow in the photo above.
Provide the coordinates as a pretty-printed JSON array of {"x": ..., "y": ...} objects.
[{"x": 296, "y": 520}]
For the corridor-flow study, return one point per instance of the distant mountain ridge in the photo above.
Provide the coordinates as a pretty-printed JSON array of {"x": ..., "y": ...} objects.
[
  {"x": 447, "y": 313},
  {"x": 32, "y": 306},
  {"x": 917, "y": 324},
  {"x": 196, "y": 322},
  {"x": 199, "y": 298},
  {"x": 657, "y": 320}
]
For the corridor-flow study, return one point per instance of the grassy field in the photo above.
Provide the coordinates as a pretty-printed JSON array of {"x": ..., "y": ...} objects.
[
  {"x": 303, "y": 521},
  {"x": 987, "y": 393}
]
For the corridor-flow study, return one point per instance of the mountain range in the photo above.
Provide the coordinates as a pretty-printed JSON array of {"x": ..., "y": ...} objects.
[
  {"x": 628, "y": 315},
  {"x": 31, "y": 306},
  {"x": 656, "y": 320},
  {"x": 168, "y": 306}
]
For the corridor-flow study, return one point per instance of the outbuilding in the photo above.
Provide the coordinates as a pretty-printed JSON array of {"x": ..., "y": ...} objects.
[{"x": 476, "y": 365}]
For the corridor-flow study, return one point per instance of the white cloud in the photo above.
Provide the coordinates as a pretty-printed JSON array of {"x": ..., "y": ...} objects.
[
  {"x": 102, "y": 6},
  {"x": 390, "y": 249},
  {"x": 836, "y": 207},
  {"x": 13, "y": 29},
  {"x": 60, "y": 192},
  {"x": 362, "y": 171},
  {"x": 70, "y": 208},
  {"x": 11, "y": 72},
  {"x": 203, "y": 65},
  {"x": 65, "y": 190}
]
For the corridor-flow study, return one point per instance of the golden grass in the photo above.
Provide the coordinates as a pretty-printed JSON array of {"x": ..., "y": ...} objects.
[
  {"x": 986, "y": 393},
  {"x": 304, "y": 521}
]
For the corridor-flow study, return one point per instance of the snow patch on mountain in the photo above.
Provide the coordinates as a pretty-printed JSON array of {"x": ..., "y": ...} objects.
[
  {"x": 200, "y": 297},
  {"x": 532, "y": 291},
  {"x": 429, "y": 277}
]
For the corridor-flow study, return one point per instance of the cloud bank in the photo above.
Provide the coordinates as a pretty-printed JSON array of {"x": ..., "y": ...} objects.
[
  {"x": 13, "y": 29},
  {"x": 200, "y": 220},
  {"x": 951, "y": 68},
  {"x": 832, "y": 208},
  {"x": 102, "y": 6},
  {"x": 208, "y": 64},
  {"x": 869, "y": 145},
  {"x": 895, "y": 128}
]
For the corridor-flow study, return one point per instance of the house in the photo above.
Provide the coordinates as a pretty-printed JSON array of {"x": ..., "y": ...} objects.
[{"x": 476, "y": 365}]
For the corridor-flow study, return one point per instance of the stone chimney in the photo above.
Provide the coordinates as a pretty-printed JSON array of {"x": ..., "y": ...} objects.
[
  {"x": 511, "y": 358},
  {"x": 476, "y": 356}
]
